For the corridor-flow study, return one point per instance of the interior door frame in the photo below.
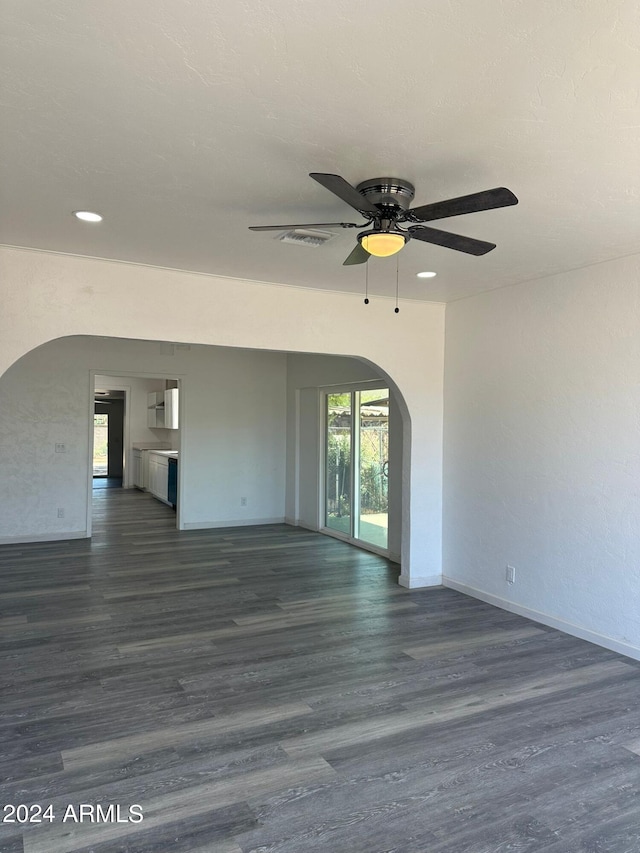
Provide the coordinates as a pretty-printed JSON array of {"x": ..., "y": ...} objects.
[{"x": 127, "y": 474}]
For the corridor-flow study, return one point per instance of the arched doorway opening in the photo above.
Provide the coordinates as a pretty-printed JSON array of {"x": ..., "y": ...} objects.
[
  {"x": 247, "y": 454},
  {"x": 53, "y": 297}
]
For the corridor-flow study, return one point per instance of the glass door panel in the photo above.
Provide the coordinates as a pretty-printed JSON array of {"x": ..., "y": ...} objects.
[
  {"x": 338, "y": 474},
  {"x": 100, "y": 445},
  {"x": 373, "y": 467}
]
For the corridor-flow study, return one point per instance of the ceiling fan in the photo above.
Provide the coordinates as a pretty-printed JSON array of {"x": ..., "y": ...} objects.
[{"x": 384, "y": 203}]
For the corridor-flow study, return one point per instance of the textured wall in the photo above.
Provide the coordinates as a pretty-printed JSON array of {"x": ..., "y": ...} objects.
[
  {"x": 233, "y": 432},
  {"x": 45, "y": 400},
  {"x": 542, "y": 447}
]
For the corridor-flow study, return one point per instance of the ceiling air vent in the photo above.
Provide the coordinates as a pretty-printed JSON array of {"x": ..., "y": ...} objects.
[{"x": 305, "y": 237}]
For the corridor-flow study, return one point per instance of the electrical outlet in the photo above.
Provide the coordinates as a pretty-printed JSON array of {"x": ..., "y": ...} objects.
[
  {"x": 61, "y": 448},
  {"x": 60, "y": 512},
  {"x": 243, "y": 501},
  {"x": 510, "y": 574}
]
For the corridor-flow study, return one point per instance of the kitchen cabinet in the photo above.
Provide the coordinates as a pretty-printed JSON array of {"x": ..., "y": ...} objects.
[
  {"x": 138, "y": 479},
  {"x": 162, "y": 409},
  {"x": 155, "y": 398},
  {"x": 140, "y": 464},
  {"x": 155, "y": 409},
  {"x": 159, "y": 476},
  {"x": 171, "y": 400}
]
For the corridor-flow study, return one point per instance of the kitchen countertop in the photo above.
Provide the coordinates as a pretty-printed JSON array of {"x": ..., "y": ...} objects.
[
  {"x": 169, "y": 453},
  {"x": 151, "y": 445}
]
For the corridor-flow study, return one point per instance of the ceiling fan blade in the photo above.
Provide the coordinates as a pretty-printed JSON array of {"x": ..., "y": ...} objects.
[
  {"x": 343, "y": 189},
  {"x": 306, "y": 225},
  {"x": 358, "y": 256},
  {"x": 451, "y": 241},
  {"x": 485, "y": 200}
]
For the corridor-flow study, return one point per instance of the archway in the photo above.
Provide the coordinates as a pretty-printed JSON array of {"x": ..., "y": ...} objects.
[{"x": 54, "y": 296}]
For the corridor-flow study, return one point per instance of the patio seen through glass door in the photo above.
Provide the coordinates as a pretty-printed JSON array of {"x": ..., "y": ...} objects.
[
  {"x": 100, "y": 445},
  {"x": 357, "y": 465}
]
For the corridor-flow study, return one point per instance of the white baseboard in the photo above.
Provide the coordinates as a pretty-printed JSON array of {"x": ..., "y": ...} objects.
[
  {"x": 160, "y": 500},
  {"x": 43, "y": 537},
  {"x": 412, "y": 582},
  {"x": 305, "y": 525},
  {"x": 552, "y": 621},
  {"x": 231, "y": 522}
]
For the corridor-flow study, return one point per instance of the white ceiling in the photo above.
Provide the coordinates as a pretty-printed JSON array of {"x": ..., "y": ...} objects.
[{"x": 185, "y": 121}]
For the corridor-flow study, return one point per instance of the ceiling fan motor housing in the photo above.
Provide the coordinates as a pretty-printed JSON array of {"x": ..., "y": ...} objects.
[{"x": 388, "y": 192}]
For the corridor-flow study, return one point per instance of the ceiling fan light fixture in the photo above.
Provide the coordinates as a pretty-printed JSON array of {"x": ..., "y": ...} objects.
[{"x": 382, "y": 244}]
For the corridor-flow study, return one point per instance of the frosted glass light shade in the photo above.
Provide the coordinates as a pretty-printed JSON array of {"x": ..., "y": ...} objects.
[{"x": 383, "y": 244}]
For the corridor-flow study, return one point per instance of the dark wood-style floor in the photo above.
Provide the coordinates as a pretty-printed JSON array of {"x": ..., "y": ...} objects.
[{"x": 272, "y": 690}]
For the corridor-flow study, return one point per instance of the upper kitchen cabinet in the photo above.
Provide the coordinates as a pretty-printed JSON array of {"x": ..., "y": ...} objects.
[
  {"x": 171, "y": 408},
  {"x": 155, "y": 409},
  {"x": 162, "y": 409}
]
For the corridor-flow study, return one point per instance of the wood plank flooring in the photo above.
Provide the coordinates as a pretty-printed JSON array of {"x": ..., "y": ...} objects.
[{"x": 272, "y": 690}]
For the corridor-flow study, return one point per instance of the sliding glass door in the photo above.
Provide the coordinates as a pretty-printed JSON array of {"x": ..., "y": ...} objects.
[
  {"x": 373, "y": 466},
  {"x": 339, "y": 474},
  {"x": 100, "y": 445},
  {"x": 357, "y": 465}
]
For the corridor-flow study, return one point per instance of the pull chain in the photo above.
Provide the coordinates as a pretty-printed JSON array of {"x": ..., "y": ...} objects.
[
  {"x": 396, "y": 310},
  {"x": 366, "y": 284}
]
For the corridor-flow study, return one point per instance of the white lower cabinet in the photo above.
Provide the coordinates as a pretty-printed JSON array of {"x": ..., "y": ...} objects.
[
  {"x": 140, "y": 461},
  {"x": 159, "y": 476},
  {"x": 138, "y": 479}
]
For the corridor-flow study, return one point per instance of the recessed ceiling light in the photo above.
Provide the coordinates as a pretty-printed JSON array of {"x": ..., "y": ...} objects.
[
  {"x": 87, "y": 216},
  {"x": 427, "y": 275}
]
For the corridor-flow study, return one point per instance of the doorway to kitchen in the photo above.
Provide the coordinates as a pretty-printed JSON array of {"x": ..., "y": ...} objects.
[{"x": 139, "y": 415}]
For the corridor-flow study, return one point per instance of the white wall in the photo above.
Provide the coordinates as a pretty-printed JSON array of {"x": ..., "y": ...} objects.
[
  {"x": 306, "y": 376},
  {"x": 234, "y": 437},
  {"x": 233, "y": 432},
  {"x": 542, "y": 450},
  {"x": 46, "y": 296}
]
